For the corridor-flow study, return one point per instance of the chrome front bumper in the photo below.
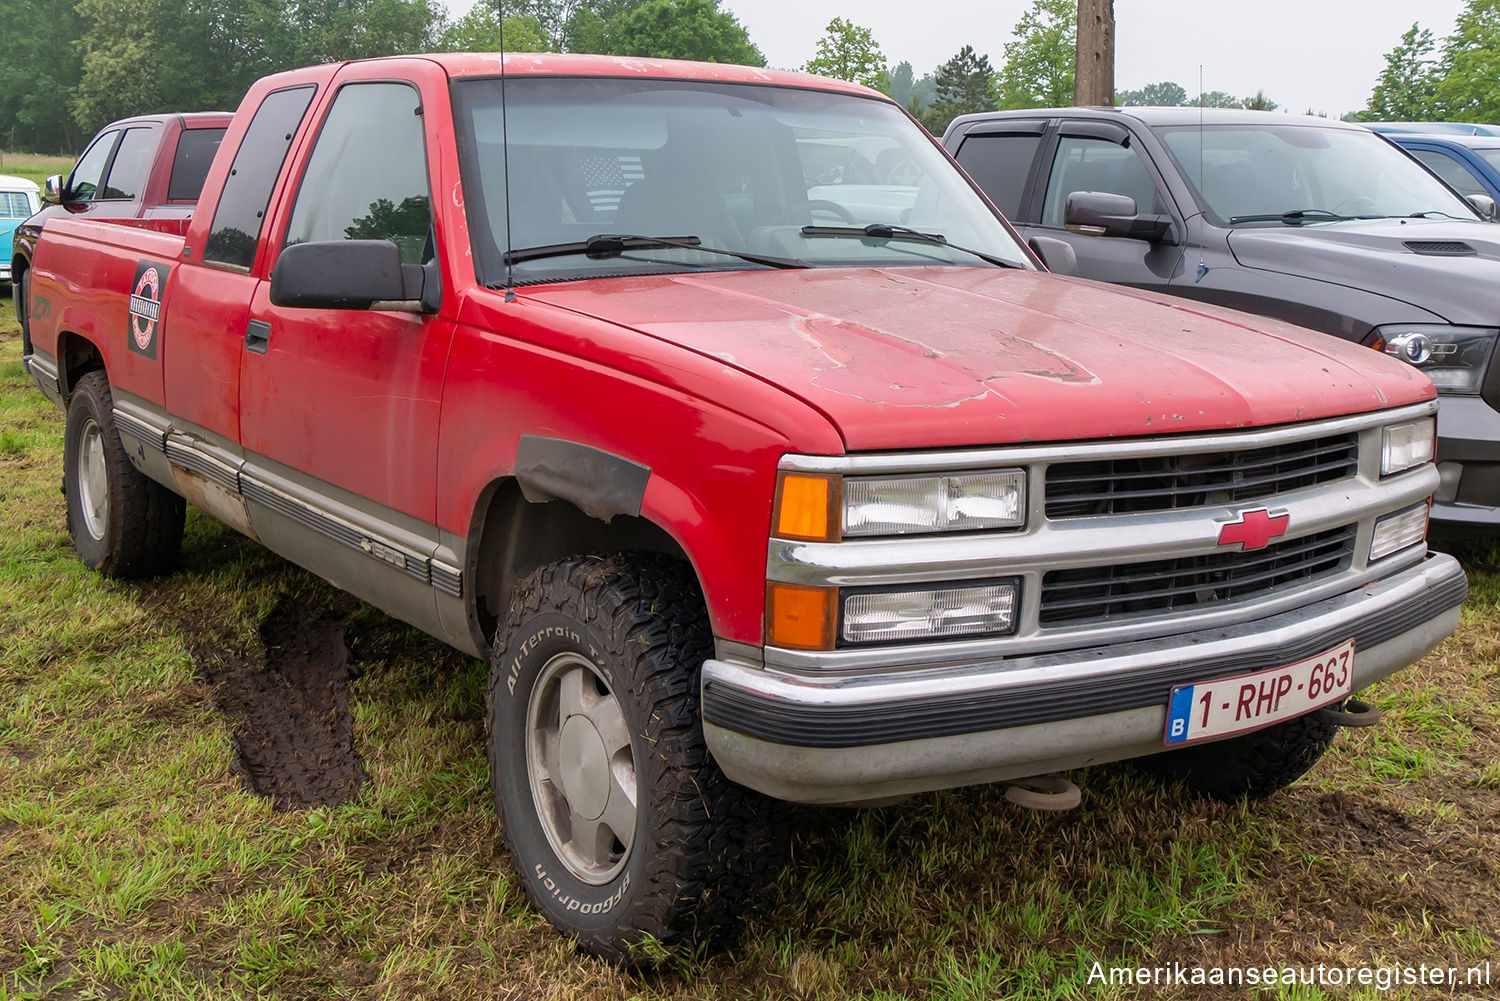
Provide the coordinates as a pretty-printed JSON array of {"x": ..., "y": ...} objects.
[{"x": 841, "y": 738}]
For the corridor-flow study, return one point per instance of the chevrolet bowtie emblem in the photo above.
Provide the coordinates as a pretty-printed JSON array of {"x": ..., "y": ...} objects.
[{"x": 1253, "y": 529}]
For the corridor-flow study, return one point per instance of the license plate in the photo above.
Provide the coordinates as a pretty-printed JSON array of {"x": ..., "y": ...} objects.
[{"x": 1250, "y": 701}]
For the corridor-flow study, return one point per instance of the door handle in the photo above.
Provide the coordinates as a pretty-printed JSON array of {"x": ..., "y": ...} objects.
[{"x": 258, "y": 336}]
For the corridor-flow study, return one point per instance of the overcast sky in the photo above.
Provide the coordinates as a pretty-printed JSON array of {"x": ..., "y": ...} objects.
[{"x": 1318, "y": 54}]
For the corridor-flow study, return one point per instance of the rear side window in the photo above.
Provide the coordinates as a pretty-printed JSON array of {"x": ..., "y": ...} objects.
[
  {"x": 1449, "y": 169},
  {"x": 87, "y": 175},
  {"x": 367, "y": 176},
  {"x": 14, "y": 205},
  {"x": 257, "y": 163},
  {"x": 195, "y": 152},
  {"x": 999, "y": 165},
  {"x": 127, "y": 174}
]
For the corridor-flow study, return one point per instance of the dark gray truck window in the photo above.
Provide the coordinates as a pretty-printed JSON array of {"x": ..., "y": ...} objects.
[
  {"x": 195, "y": 153},
  {"x": 999, "y": 165},
  {"x": 247, "y": 191},
  {"x": 1087, "y": 164},
  {"x": 367, "y": 176}
]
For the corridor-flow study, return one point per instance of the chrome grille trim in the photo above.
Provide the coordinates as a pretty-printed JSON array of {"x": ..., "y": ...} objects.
[
  {"x": 1087, "y": 594},
  {"x": 1192, "y": 479}
]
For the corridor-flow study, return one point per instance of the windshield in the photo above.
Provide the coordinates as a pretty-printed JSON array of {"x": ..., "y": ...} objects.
[
  {"x": 738, "y": 168},
  {"x": 1490, "y": 156},
  {"x": 1315, "y": 174}
]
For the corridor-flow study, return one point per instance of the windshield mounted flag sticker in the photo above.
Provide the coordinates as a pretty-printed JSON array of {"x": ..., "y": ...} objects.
[{"x": 145, "y": 307}]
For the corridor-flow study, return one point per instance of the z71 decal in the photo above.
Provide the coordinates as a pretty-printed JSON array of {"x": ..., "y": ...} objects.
[{"x": 145, "y": 306}]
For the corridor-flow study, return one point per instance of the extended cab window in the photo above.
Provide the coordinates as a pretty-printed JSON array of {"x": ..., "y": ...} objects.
[
  {"x": 999, "y": 165},
  {"x": 1087, "y": 164},
  {"x": 367, "y": 176},
  {"x": 195, "y": 153},
  {"x": 247, "y": 190},
  {"x": 127, "y": 174},
  {"x": 89, "y": 171}
]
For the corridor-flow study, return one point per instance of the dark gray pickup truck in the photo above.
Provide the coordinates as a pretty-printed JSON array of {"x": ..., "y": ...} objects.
[{"x": 1321, "y": 223}]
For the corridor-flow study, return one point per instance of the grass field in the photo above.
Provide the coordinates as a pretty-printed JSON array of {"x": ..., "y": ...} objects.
[
  {"x": 135, "y": 862},
  {"x": 35, "y": 166}
]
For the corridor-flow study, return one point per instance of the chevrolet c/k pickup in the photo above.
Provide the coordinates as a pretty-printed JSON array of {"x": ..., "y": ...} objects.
[
  {"x": 144, "y": 172},
  {"x": 759, "y": 457}
]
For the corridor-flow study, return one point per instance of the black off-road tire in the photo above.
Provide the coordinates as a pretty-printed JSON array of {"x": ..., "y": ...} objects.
[
  {"x": 1252, "y": 766},
  {"x": 140, "y": 530},
  {"x": 702, "y": 846}
]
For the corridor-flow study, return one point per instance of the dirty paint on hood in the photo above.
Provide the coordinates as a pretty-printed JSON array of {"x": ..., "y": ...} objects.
[{"x": 937, "y": 357}]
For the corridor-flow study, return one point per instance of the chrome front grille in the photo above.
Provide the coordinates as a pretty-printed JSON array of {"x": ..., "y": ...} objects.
[
  {"x": 1164, "y": 483},
  {"x": 1085, "y": 594}
]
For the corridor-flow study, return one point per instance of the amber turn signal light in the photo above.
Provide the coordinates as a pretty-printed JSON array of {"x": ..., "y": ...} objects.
[
  {"x": 806, "y": 507},
  {"x": 801, "y": 618}
]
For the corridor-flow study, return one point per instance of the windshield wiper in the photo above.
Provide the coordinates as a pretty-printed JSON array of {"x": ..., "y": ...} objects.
[
  {"x": 613, "y": 244},
  {"x": 1426, "y": 213},
  {"x": 888, "y": 231},
  {"x": 1296, "y": 217}
]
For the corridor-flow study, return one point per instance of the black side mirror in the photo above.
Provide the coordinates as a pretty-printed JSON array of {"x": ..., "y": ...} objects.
[
  {"x": 52, "y": 190},
  {"x": 353, "y": 274},
  {"x": 1103, "y": 213},
  {"x": 1058, "y": 255},
  {"x": 1485, "y": 206}
]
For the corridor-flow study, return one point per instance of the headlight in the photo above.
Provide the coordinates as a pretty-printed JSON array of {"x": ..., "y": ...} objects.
[
  {"x": 1403, "y": 446},
  {"x": 940, "y": 613},
  {"x": 961, "y": 502},
  {"x": 1454, "y": 358}
]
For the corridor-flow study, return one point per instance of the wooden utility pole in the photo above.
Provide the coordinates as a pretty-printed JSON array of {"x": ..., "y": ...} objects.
[{"x": 1094, "y": 66}]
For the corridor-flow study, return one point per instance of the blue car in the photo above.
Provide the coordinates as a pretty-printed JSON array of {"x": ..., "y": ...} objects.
[
  {"x": 1470, "y": 164},
  {"x": 19, "y": 198}
]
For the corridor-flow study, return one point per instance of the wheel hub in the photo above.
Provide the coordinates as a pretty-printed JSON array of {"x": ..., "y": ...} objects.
[{"x": 585, "y": 767}]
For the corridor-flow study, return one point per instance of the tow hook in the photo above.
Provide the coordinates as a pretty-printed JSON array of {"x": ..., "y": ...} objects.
[
  {"x": 1352, "y": 713},
  {"x": 1043, "y": 792}
]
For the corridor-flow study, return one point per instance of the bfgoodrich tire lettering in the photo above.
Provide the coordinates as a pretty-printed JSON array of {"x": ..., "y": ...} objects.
[
  {"x": 630, "y": 634},
  {"x": 1251, "y": 766},
  {"x": 123, "y": 523}
]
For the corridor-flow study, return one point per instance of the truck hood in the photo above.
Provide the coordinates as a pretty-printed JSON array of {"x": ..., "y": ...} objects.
[
  {"x": 1447, "y": 268},
  {"x": 933, "y": 357}
]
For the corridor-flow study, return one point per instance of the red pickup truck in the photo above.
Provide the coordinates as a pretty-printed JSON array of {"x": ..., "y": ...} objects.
[
  {"x": 724, "y": 417},
  {"x": 145, "y": 171}
]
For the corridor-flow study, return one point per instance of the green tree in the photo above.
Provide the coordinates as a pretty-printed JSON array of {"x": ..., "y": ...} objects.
[
  {"x": 1469, "y": 90},
  {"x": 901, "y": 81},
  {"x": 849, "y": 52},
  {"x": 569, "y": 25},
  {"x": 38, "y": 77},
  {"x": 1407, "y": 88},
  {"x": 332, "y": 30},
  {"x": 965, "y": 83},
  {"x": 1215, "y": 99},
  {"x": 1260, "y": 102},
  {"x": 681, "y": 29},
  {"x": 479, "y": 31},
  {"x": 1038, "y": 70},
  {"x": 1154, "y": 95}
]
